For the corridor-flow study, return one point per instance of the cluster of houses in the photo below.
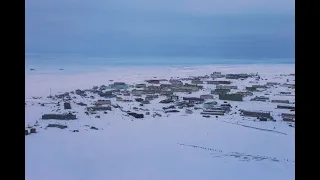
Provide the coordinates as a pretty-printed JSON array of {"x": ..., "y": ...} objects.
[{"x": 153, "y": 89}]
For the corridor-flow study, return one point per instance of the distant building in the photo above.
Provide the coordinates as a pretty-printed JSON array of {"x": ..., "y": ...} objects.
[
  {"x": 231, "y": 97},
  {"x": 272, "y": 83},
  {"x": 260, "y": 98},
  {"x": 173, "y": 97},
  {"x": 259, "y": 86},
  {"x": 221, "y": 82},
  {"x": 251, "y": 88},
  {"x": 286, "y": 107},
  {"x": 140, "y": 85},
  {"x": 258, "y": 114},
  {"x": 175, "y": 82},
  {"x": 119, "y": 85},
  {"x": 206, "y": 96},
  {"x": 102, "y": 102},
  {"x": 196, "y": 81},
  {"x": 209, "y": 105},
  {"x": 226, "y": 87},
  {"x": 136, "y": 92},
  {"x": 280, "y": 101},
  {"x": 67, "y": 105},
  {"x": 166, "y": 93},
  {"x": 220, "y": 91},
  {"x": 193, "y": 99},
  {"x": 153, "y": 81},
  {"x": 216, "y": 75}
]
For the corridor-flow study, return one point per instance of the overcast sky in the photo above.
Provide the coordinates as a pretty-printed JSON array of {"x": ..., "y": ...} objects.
[{"x": 208, "y": 28}]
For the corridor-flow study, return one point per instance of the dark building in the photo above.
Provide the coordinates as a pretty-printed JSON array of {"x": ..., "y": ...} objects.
[
  {"x": 67, "y": 106},
  {"x": 231, "y": 97},
  {"x": 59, "y": 116}
]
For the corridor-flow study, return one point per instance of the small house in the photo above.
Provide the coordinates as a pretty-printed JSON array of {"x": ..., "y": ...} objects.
[
  {"x": 140, "y": 85},
  {"x": 107, "y": 94},
  {"x": 216, "y": 75},
  {"x": 153, "y": 81},
  {"x": 165, "y": 86},
  {"x": 136, "y": 92},
  {"x": 280, "y": 101},
  {"x": 119, "y": 85},
  {"x": 260, "y": 98},
  {"x": 102, "y": 102},
  {"x": 166, "y": 93},
  {"x": 285, "y": 107},
  {"x": 231, "y": 97},
  {"x": 196, "y": 81},
  {"x": 220, "y": 91},
  {"x": 99, "y": 108},
  {"x": 173, "y": 97},
  {"x": 175, "y": 82},
  {"x": 245, "y": 93},
  {"x": 256, "y": 114},
  {"x": 67, "y": 105},
  {"x": 193, "y": 99},
  {"x": 68, "y": 116},
  {"x": 226, "y": 87},
  {"x": 221, "y": 82},
  {"x": 209, "y": 105},
  {"x": 206, "y": 96},
  {"x": 259, "y": 86},
  {"x": 145, "y": 102}
]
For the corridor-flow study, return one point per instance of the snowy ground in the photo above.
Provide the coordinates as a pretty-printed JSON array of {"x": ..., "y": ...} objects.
[{"x": 174, "y": 146}]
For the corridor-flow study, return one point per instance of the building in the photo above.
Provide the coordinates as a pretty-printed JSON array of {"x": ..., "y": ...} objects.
[
  {"x": 231, "y": 97},
  {"x": 220, "y": 91},
  {"x": 280, "y": 101},
  {"x": 206, "y": 96},
  {"x": 176, "y": 82},
  {"x": 103, "y": 87},
  {"x": 245, "y": 93},
  {"x": 68, "y": 116},
  {"x": 285, "y": 92},
  {"x": 153, "y": 81},
  {"x": 119, "y": 99},
  {"x": 145, "y": 102},
  {"x": 165, "y": 86},
  {"x": 102, "y": 102},
  {"x": 226, "y": 87},
  {"x": 193, "y": 99},
  {"x": 79, "y": 92},
  {"x": 107, "y": 94},
  {"x": 272, "y": 84},
  {"x": 213, "y": 112},
  {"x": 288, "y": 117},
  {"x": 259, "y": 86},
  {"x": 260, "y": 98},
  {"x": 173, "y": 97},
  {"x": 137, "y": 92},
  {"x": 216, "y": 75},
  {"x": 99, "y": 108},
  {"x": 196, "y": 81},
  {"x": 221, "y": 82},
  {"x": 166, "y": 93},
  {"x": 152, "y": 89},
  {"x": 140, "y": 85},
  {"x": 232, "y": 76},
  {"x": 67, "y": 105},
  {"x": 209, "y": 105},
  {"x": 258, "y": 114},
  {"x": 251, "y": 88},
  {"x": 119, "y": 85},
  {"x": 286, "y": 107}
]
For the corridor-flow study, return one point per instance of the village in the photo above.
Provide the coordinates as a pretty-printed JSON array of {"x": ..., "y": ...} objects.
[{"x": 216, "y": 96}]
